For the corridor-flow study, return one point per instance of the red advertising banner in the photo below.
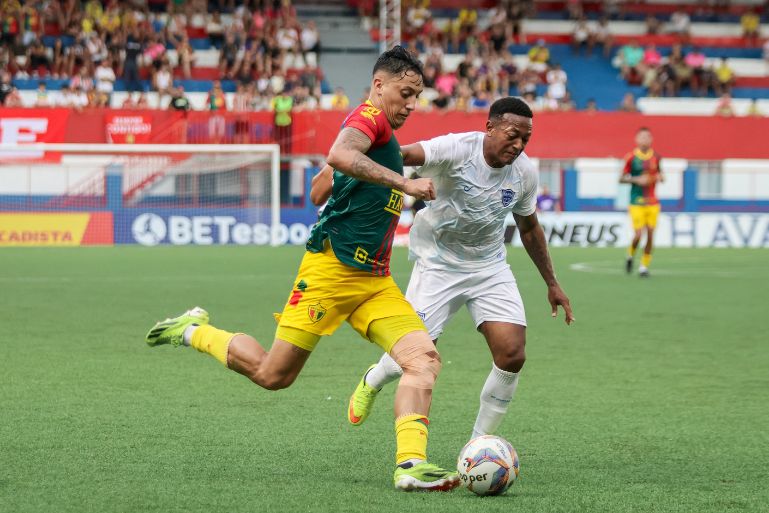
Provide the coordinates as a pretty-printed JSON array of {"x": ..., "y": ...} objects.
[
  {"x": 27, "y": 126},
  {"x": 128, "y": 127},
  {"x": 564, "y": 135}
]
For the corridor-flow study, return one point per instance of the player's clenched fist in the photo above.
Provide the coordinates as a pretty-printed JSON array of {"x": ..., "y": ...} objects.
[{"x": 420, "y": 188}]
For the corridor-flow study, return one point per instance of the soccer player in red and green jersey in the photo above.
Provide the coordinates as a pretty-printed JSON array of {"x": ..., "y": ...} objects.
[
  {"x": 642, "y": 170},
  {"x": 345, "y": 275}
]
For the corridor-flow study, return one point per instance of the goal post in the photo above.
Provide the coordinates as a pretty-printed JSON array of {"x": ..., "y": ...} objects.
[{"x": 227, "y": 193}]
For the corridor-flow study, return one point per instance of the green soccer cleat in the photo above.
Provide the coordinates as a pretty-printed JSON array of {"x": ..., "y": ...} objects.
[
  {"x": 171, "y": 331},
  {"x": 425, "y": 477},
  {"x": 362, "y": 401}
]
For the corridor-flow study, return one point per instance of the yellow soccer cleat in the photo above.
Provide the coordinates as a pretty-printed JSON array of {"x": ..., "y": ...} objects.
[{"x": 362, "y": 401}]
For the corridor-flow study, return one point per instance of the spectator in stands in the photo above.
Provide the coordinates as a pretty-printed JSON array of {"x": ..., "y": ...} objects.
[
  {"x": 724, "y": 108},
  {"x": 340, "y": 101},
  {"x": 105, "y": 82},
  {"x": 417, "y": 16},
  {"x": 695, "y": 60},
  {"x": 97, "y": 50},
  {"x": 31, "y": 23},
  {"x": 754, "y": 110},
  {"x": 581, "y": 36},
  {"x": 162, "y": 81},
  {"x": 652, "y": 57},
  {"x": 600, "y": 35},
  {"x": 155, "y": 51},
  {"x": 682, "y": 73},
  {"x": 591, "y": 105},
  {"x": 186, "y": 57},
  {"x": 215, "y": 29},
  {"x": 443, "y": 100},
  {"x": 531, "y": 100},
  {"x": 58, "y": 66},
  {"x": 142, "y": 102},
  {"x": 66, "y": 98},
  {"x": 79, "y": 98},
  {"x": 680, "y": 24},
  {"x": 37, "y": 59},
  {"x": 288, "y": 39},
  {"x": 751, "y": 23},
  {"x": 82, "y": 81},
  {"x": 628, "y": 103},
  {"x": 724, "y": 78},
  {"x": 5, "y": 86},
  {"x": 652, "y": 25},
  {"x": 216, "y": 100},
  {"x": 539, "y": 56},
  {"x": 42, "y": 99},
  {"x": 310, "y": 39},
  {"x": 546, "y": 202},
  {"x": 556, "y": 83},
  {"x": 303, "y": 100},
  {"x": 178, "y": 100},
  {"x": 13, "y": 98},
  {"x": 282, "y": 105},
  {"x": 134, "y": 46},
  {"x": 567, "y": 104},
  {"x": 228, "y": 57},
  {"x": 499, "y": 40},
  {"x": 128, "y": 103},
  {"x": 631, "y": 57}
]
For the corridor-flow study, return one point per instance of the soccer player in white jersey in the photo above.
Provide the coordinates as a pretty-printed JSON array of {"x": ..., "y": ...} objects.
[{"x": 457, "y": 242}]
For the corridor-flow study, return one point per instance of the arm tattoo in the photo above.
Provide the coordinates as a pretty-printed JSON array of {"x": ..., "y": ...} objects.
[
  {"x": 533, "y": 239},
  {"x": 354, "y": 144}
]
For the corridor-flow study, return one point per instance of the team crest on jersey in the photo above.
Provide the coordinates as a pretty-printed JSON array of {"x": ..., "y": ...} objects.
[
  {"x": 316, "y": 311},
  {"x": 507, "y": 197}
]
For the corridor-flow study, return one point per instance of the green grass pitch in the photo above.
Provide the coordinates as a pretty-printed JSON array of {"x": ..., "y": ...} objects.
[{"x": 657, "y": 399}]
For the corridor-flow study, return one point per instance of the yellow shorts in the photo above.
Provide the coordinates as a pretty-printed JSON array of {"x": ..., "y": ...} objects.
[
  {"x": 327, "y": 292},
  {"x": 644, "y": 215}
]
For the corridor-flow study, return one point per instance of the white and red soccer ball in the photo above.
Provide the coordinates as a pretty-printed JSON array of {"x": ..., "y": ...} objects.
[{"x": 488, "y": 465}]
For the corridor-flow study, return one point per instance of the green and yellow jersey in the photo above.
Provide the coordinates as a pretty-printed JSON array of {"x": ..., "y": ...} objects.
[
  {"x": 637, "y": 163},
  {"x": 360, "y": 218}
]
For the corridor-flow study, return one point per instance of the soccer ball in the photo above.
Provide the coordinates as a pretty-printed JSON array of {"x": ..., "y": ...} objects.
[{"x": 488, "y": 465}]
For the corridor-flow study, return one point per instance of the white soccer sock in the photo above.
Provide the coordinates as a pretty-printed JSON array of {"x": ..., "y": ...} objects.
[
  {"x": 386, "y": 371},
  {"x": 495, "y": 398},
  {"x": 188, "y": 331}
]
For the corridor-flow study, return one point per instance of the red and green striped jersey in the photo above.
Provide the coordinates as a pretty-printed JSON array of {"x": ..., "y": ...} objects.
[
  {"x": 637, "y": 163},
  {"x": 360, "y": 218}
]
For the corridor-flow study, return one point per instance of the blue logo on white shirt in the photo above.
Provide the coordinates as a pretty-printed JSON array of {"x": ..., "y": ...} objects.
[{"x": 507, "y": 197}]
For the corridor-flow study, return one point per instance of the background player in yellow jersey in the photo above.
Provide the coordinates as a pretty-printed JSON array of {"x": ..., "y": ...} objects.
[
  {"x": 345, "y": 275},
  {"x": 642, "y": 171}
]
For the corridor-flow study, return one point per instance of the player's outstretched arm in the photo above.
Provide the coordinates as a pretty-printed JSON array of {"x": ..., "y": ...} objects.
[
  {"x": 322, "y": 183},
  {"x": 347, "y": 155},
  {"x": 533, "y": 238},
  {"x": 413, "y": 155}
]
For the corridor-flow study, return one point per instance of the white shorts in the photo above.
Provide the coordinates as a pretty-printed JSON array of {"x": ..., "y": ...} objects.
[{"x": 490, "y": 295}]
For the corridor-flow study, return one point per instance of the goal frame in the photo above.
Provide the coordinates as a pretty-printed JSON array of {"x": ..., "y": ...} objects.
[{"x": 142, "y": 149}]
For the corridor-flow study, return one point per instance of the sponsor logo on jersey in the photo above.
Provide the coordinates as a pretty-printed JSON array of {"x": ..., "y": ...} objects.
[
  {"x": 507, "y": 197},
  {"x": 395, "y": 205},
  {"x": 421, "y": 315},
  {"x": 316, "y": 311},
  {"x": 370, "y": 112}
]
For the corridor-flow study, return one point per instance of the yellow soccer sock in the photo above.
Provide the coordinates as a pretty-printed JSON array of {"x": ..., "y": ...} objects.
[
  {"x": 410, "y": 438},
  {"x": 213, "y": 341},
  {"x": 646, "y": 259}
]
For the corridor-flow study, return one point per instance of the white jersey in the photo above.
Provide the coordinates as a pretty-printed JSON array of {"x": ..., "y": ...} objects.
[{"x": 463, "y": 229}]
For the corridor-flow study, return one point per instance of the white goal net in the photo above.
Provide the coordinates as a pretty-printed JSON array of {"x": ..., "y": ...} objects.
[{"x": 71, "y": 194}]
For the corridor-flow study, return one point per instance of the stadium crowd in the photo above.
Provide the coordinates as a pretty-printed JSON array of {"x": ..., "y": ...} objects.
[
  {"x": 263, "y": 48},
  {"x": 261, "y": 44}
]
